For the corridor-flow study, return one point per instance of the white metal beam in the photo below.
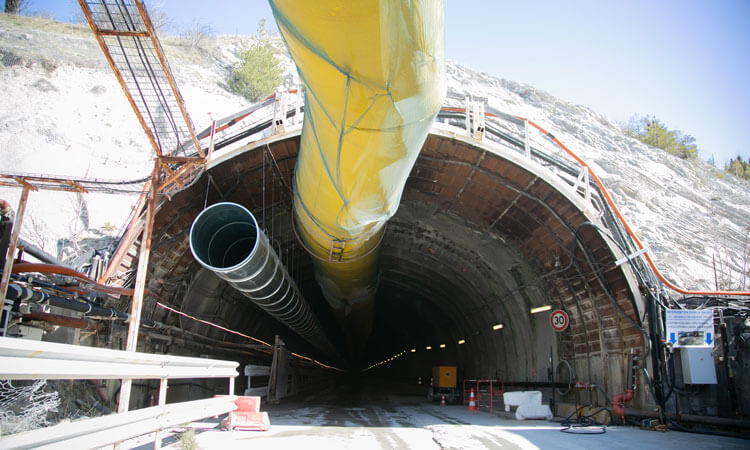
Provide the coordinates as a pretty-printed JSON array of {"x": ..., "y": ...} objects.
[
  {"x": 106, "y": 430},
  {"x": 24, "y": 348},
  {"x": 62, "y": 369}
]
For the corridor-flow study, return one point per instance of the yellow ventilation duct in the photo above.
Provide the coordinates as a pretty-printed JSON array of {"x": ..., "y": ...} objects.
[{"x": 374, "y": 77}]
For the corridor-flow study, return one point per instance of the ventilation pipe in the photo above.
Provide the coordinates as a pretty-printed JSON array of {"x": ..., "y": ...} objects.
[
  {"x": 374, "y": 75},
  {"x": 225, "y": 238}
]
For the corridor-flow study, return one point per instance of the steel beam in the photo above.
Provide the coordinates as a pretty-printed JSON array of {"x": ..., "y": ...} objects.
[
  {"x": 140, "y": 283},
  {"x": 27, "y": 359},
  {"x": 14, "y": 240}
]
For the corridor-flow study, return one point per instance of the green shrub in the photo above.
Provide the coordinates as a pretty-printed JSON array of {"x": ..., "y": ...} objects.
[
  {"x": 651, "y": 131},
  {"x": 188, "y": 441},
  {"x": 259, "y": 72},
  {"x": 738, "y": 168}
]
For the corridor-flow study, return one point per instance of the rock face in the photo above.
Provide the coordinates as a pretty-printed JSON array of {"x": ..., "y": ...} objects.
[{"x": 64, "y": 113}]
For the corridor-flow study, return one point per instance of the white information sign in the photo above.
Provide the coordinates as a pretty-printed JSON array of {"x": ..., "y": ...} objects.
[{"x": 690, "y": 328}]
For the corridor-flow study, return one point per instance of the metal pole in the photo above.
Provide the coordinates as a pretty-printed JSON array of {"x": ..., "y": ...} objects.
[
  {"x": 492, "y": 396},
  {"x": 14, "y": 240},
  {"x": 140, "y": 283},
  {"x": 211, "y": 142},
  {"x": 272, "y": 395},
  {"x": 162, "y": 402},
  {"x": 526, "y": 148},
  {"x": 552, "y": 374}
]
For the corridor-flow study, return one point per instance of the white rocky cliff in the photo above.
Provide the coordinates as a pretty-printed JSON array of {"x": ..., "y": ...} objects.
[{"x": 63, "y": 113}]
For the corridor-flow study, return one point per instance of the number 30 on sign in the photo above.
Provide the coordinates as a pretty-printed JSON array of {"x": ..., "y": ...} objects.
[{"x": 559, "y": 320}]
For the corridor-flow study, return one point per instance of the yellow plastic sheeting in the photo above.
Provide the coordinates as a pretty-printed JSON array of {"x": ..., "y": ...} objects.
[{"x": 374, "y": 77}]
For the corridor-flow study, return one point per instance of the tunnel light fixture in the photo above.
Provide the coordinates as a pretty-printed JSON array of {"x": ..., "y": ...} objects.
[
  {"x": 442, "y": 345},
  {"x": 541, "y": 309},
  {"x": 428, "y": 347},
  {"x": 497, "y": 326},
  {"x": 461, "y": 342},
  {"x": 414, "y": 350}
]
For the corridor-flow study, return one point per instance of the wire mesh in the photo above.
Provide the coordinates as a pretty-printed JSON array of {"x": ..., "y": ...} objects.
[
  {"x": 139, "y": 61},
  {"x": 25, "y": 407},
  {"x": 69, "y": 184}
]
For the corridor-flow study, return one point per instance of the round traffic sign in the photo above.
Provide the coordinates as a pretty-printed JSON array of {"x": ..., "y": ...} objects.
[{"x": 559, "y": 320}]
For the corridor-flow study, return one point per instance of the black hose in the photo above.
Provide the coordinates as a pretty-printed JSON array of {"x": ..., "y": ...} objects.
[
  {"x": 585, "y": 424},
  {"x": 38, "y": 253},
  {"x": 27, "y": 295},
  {"x": 92, "y": 311},
  {"x": 650, "y": 384},
  {"x": 678, "y": 427}
]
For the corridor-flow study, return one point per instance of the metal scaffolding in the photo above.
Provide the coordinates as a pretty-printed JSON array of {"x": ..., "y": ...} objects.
[{"x": 128, "y": 40}]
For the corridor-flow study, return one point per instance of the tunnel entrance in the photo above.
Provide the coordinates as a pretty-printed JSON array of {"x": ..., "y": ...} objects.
[{"x": 482, "y": 236}]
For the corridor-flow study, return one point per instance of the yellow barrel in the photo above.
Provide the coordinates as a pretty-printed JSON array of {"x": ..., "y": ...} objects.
[{"x": 374, "y": 75}]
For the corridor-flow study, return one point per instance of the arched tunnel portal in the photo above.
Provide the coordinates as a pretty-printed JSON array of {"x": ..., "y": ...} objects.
[{"x": 482, "y": 236}]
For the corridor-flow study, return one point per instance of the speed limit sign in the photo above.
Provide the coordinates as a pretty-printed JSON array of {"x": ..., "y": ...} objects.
[{"x": 559, "y": 320}]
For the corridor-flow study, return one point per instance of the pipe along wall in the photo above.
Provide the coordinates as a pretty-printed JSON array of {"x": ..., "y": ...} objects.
[
  {"x": 225, "y": 238},
  {"x": 374, "y": 76}
]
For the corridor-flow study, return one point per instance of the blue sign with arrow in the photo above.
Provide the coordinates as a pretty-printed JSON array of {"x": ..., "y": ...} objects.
[{"x": 690, "y": 327}]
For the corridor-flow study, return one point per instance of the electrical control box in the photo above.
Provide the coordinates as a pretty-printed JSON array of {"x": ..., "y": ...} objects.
[
  {"x": 444, "y": 376},
  {"x": 698, "y": 365}
]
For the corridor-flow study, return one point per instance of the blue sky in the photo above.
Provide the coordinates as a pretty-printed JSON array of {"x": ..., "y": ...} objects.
[{"x": 686, "y": 62}]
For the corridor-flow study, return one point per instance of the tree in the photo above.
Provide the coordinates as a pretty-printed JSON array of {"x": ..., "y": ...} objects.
[
  {"x": 16, "y": 6},
  {"x": 258, "y": 73},
  {"x": 199, "y": 36},
  {"x": 651, "y": 131},
  {"x": 738, "y": 168}
]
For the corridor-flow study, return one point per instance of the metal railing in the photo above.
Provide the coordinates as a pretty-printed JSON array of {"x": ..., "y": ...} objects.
[
  {"x": 518, "y": 135},
  {"x": 22, "y": 359}
]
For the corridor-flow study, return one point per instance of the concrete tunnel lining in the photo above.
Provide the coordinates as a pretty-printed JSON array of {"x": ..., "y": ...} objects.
[
  {"x": 507, "y": 210},
  {"x": 468, "y": 271}
]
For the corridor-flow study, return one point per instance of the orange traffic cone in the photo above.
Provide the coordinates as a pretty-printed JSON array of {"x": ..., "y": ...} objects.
[
  {"x": 472, "y": 405},
  {"x": 442, "y": 401}
]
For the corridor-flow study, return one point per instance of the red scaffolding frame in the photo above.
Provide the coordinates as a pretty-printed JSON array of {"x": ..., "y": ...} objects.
[{"x": 485, "y": 393}]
